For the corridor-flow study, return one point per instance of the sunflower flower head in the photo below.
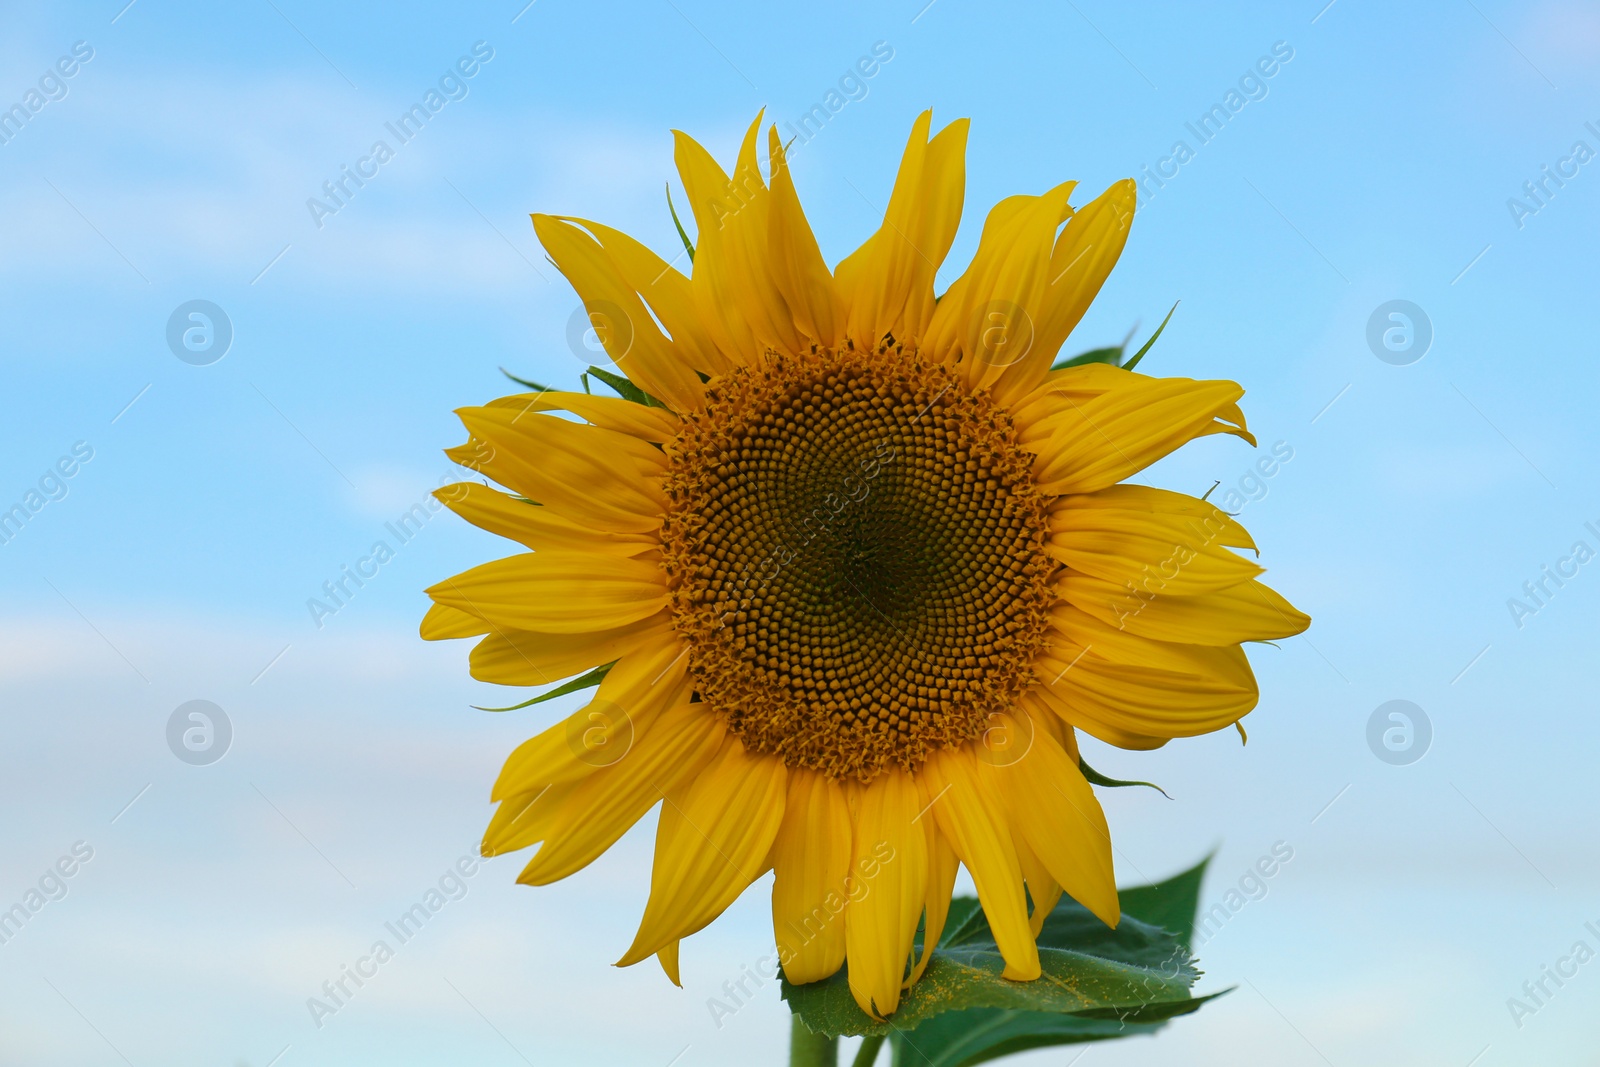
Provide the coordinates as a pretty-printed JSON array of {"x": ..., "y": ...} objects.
[{"x": 855, "y": 562}]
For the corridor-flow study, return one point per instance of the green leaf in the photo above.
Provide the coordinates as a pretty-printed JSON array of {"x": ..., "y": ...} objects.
[
  {"x": 1140, "y": 968},
  {"x": 977, "y": 1035},
  {"x": 523, "y": 381},
  {"x": 1096, "y": 778},
  {"x": 1112, "y": 355},
  {"x": 626, "y": 389},
  {"x": 583, "y": 681},
  {"x": 1137, "y": 356},
  {"x": 1097, "y": 984},
  {"x": 973, "y": 1036},
  {"x": 687, "y": 246},
  {"x": 1172, "y": 905}
]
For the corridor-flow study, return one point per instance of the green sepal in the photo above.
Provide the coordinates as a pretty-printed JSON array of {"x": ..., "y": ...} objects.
[
  {"x": 583, "y": 681},
  {"x": 688, "y": 246},
  {"x": 626, "y": 389},
  {"x": 1137, "y": 356},
  {"x": 1112, "y": 355},
  {"x": 524, "y": 381},
  {"x": 1096, "y": 778}
]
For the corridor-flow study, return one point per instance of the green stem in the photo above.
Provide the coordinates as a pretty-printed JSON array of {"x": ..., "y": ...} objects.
[
  {"x": 807, "y": 1049},
  {"x": 867, "y": 1054}
]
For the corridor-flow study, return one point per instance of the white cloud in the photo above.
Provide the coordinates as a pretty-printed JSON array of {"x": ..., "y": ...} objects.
[{"x": 216, "y": 183}]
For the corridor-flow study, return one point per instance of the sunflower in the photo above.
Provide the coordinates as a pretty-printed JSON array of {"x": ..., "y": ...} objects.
[{"x": 853, "y": 563}]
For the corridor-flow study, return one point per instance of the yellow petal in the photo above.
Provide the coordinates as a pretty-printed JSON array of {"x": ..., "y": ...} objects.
[
  {"x": 811, "y": 857},
  {"x": 877, "y": 278},
  {"x": 942, "y": 866},
  {"x": 653, "y": 424},
  {"x": 557, "y": 592},
  {"x": 518, "y": 657},
  {"x": 536, "y": 526},
  {"x": 1042, "y": 718},
  {"x": 1115, "y": 435},
  {"x": 798, "y": 268},
  {"x": 524, "y": 818},
  {"x": 1249, "y": 611},
  {"x": 713, "y": 283},
  {"x": 887, "y": 283},
  {"x": 973, "y": 820},
  {"x": 713, "y": 836},
  {"x": 1084, "y": 254},
  {"x": 442, "y": 622},
  {"x": 944, "y": 184},
  {"x": 1043, "y": 890},
  {"x": 668, "y": 958},
  {"x": 1134, "y": 706},
  {"x": 642, "y": 685},
  {"x": 586, "y": 473},
  {"x": 1156, "y": 541},
  {"x": 887, "y": 888},
  {"x": 669, "y": 294},
  {"x": 1072, "y": 628},
  {"x": 988, "y": 318},
  {"x": 1101, "y": 718},
  {"x": 746, "y": 231},
  {"x": 1068, "y": 708},
  {"x": 738, "y": 301},
  {"x": 1055, "y": 812},
  {"x": 1062, "y": 392},
  {"x": 604, "y": 805},
  {"x": 631, "y": 337}
]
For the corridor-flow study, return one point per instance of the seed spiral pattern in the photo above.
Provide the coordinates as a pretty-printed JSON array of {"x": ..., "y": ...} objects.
[{"x": 856, "y": 552}]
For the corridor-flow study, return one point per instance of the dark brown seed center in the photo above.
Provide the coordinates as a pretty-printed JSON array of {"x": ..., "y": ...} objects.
[{"x": 856, "y": 549}]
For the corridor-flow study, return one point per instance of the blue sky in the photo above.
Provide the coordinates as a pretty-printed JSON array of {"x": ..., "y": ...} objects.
[{"x": 1378, "y": 162}]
